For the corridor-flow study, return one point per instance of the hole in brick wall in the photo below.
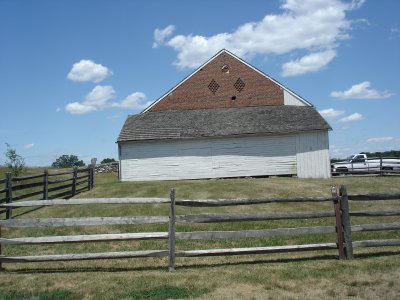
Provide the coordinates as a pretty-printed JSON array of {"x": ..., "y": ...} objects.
[
  {"x": 213, "y": 86},
  {"x": 233, "y": 98},
  {"x": 239, "y": 85}
]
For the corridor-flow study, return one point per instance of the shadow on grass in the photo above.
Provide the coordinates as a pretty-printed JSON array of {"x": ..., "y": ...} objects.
[
  {"x": 26, "y": 212},
  {"x": 43, "y": 295},
  {"x": 163, "y": 292},
  {"x": 197, "y": 265}
]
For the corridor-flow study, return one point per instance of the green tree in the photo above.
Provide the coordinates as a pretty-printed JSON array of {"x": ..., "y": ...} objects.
[
  {"x": 107, "y": 160},
  {"x": 14, "y": 162},
  {"x": 68, "y": 161}
]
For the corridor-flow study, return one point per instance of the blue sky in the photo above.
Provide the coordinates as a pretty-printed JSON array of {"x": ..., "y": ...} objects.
[{"x": 71, "y": 71}]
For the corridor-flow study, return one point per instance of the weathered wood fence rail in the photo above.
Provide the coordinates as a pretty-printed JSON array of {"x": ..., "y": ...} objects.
[
  {"x": 64, "y": 184},
  {"x": 340, "y": 225},
  {"x": 381, "y": 168}
]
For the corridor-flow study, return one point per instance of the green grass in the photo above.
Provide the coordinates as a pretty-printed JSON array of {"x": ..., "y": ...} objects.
[
  {"x": 26, "y": 172},
  {"x": 163, "y": 292},
  {"x": 374, "y": 272},
  {"x": 41, "y": 295}
]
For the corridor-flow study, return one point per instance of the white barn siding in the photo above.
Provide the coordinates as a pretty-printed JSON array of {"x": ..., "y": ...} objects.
[
  {"x": 208, "y": 158},
  {"x": 290, "y": 99},
  {"x": 313, "y": 155}
]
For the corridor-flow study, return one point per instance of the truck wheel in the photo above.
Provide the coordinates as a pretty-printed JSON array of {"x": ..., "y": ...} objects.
[{"x": 387, "y": 170}]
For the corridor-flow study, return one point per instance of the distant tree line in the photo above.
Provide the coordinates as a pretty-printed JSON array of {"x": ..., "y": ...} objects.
[
  {"x": 16, "y": 163},
  {"x": 107, "y": 160},
  {"x": 391, "y": 153},
  {"x": 67, "y": 161}
]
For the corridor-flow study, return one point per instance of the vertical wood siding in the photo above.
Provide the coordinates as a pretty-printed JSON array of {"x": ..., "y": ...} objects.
[
  {"x": 208, "y": 158},
  {"x": 313, "y": 155},
  {"x": 289, "y": 99}
]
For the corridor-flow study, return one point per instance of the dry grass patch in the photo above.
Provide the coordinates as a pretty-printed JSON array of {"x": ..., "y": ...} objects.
[{"x": 317, "y": 275}]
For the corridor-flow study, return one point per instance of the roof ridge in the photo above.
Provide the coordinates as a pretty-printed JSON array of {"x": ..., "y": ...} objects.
[{"x": 220, "y": 52}]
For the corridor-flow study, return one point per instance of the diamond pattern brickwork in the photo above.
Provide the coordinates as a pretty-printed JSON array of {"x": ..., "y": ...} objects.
[
  {"x": 239, "y": 85},
  {"x": 213, "y": 86}
]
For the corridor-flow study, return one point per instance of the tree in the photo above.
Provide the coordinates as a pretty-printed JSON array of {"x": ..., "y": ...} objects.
[
  {"x": 14, "y": 162},
  {"x": 107, "y": 160},
  {"x": 68, "y": 161}
]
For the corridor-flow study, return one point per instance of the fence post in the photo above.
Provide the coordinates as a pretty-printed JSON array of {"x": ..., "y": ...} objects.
[
  {"x": 344, "y": 207},
  {"x": 380, "y": 165},
  {"x": 89, "y": 178},
  {"x": 1, "y": 254},
  {"x": 92, "y": 172},
  {"x": 46, "y": 184},
  {"x": 171, "y": 233},
  {"x": 74, "y": 175},
  {"x": 93, "y": 177},
  {"x": 339, "y": 226},
  {"x": 8, "y": 195}
]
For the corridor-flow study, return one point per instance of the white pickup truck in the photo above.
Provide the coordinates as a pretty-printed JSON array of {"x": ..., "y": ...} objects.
[{"x": 360, "y": 163}]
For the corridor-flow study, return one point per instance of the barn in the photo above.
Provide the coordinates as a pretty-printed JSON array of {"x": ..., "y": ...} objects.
[{"x": 226, "y": 119}]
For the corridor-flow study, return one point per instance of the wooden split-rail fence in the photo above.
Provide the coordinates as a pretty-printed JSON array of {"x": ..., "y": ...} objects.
[
  {"x": 343, "y": 242},
  {"x": 49, "y": 185}
]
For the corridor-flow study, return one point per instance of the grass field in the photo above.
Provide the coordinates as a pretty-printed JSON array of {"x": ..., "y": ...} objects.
[{"x": 374, "y": 273}]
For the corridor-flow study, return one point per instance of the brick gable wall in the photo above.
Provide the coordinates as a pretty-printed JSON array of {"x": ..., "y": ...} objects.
[{"x": 199, "y": 92}]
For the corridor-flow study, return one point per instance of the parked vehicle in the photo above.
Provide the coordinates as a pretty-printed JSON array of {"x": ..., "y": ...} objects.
[{"x": 360, "y": 163}]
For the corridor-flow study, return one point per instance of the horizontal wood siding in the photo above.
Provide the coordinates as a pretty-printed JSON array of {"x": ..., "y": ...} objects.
[
  {"x": 254, "y": 156},
  {"x": 208, "y": 158},
  {"x": 313, "y": 155}
]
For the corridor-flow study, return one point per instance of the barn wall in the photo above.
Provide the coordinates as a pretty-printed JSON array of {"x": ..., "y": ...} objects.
[
  {"x": 290, "y": 99},
  {"x": 196, "y": 93},
  {"x": 208, "y": 158},
  {"x": 313, "y": 155}
]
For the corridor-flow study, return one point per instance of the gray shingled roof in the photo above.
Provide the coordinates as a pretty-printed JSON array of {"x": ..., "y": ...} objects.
[{"x": 181, "y": 124}]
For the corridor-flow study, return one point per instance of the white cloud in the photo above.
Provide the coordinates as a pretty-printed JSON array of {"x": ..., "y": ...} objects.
[
  {"x": 394, "y": 32},
  {"x": 98, "y": 99},
  {"x": 331, "y": 113},
  {"x": 87, "y": 70},
  {"x": 77, "y": 108},
  {"x": 352, "y": 118},
  {"x": 314, "y": 26},
  {"x": 308, "y": 63},
  {"x": 361, "y": 90},
  {"x": 99, "y": 96},
  {"x": 133, "y": 101},
  {"x": 161, "y": 34},
  {"x": 380, "y": 139},
  {"x": 356, "y": 4},
  {"x": 29, "y": 146}
]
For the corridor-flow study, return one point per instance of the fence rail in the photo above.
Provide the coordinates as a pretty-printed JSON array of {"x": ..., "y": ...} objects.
[
  {"x": 381, "y": 166},
  {"x": 340, "y": 225},
  {"x": 23, "y": 187}
]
